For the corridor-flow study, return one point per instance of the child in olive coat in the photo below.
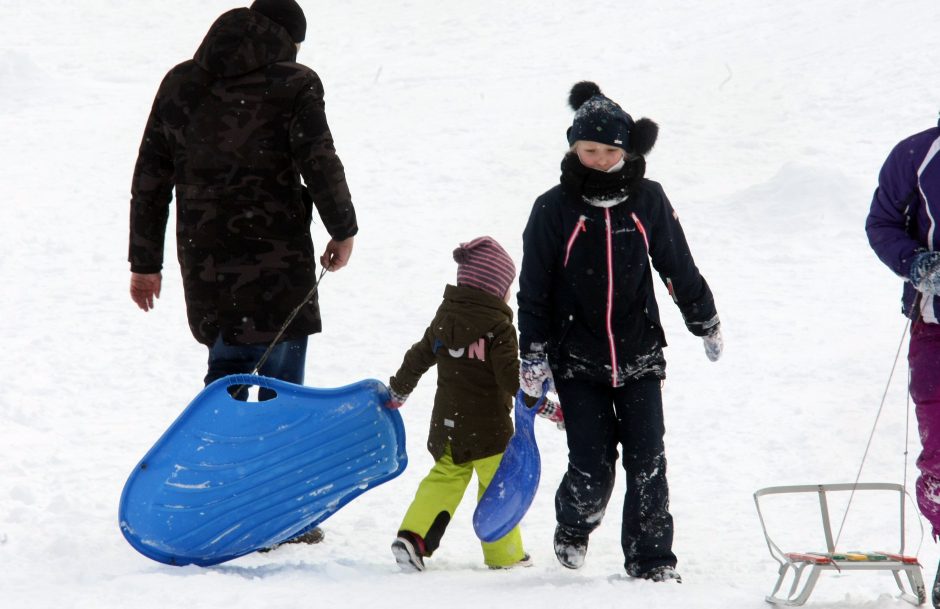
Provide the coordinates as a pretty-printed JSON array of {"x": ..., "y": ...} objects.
[{"x": 473, "y": 343}]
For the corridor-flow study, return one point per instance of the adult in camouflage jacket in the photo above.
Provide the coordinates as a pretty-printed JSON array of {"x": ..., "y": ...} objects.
[{"x": 233, "y": 130}]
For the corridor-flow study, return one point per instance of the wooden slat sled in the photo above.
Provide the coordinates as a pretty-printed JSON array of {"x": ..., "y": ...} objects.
[{"x": 804, "y": 568}]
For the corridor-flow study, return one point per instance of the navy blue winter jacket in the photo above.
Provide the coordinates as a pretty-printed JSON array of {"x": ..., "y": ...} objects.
[
  {"x": 586, "y": 289},
  {"x": 903, "y": 217}
]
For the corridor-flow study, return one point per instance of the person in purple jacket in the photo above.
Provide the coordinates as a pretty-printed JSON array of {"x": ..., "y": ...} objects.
[{"x": 902, "y": 229}]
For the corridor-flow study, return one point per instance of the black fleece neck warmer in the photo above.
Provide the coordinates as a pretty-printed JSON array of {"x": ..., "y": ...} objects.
[{"x": 598, "y": 187}]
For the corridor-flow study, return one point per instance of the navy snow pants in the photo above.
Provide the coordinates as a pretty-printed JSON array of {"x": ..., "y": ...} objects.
[{"x": 598, "y": 417}]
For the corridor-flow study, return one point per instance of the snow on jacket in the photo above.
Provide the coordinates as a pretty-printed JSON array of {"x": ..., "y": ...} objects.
[
  {"x": 586, "y": 291},
  {"x": 904, "y": 212},
  {"x": 473, "y": 343},
  {"x": 233, "y": 130}
]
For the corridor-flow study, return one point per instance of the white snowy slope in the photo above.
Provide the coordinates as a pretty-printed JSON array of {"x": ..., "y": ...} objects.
[{"x": 450, "y": 118}]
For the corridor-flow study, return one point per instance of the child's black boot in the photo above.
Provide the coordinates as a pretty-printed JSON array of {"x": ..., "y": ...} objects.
[{"x": 570, "y": 547}]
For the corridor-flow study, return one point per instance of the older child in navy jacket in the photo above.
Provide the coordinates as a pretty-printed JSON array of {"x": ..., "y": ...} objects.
[{"x": 589, "y": 322}]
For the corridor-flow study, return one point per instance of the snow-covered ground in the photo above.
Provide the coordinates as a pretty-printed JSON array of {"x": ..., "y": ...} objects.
[{"x": 450, "y": 118}]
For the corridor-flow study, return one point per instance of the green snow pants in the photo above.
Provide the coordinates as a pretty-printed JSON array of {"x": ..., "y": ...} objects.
[{"x": 436, "y": 501}]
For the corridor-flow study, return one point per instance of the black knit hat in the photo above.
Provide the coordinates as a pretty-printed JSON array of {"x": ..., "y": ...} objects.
[
  {"x": 600, "y": 119},
  {"x": 286, "y": 13}
]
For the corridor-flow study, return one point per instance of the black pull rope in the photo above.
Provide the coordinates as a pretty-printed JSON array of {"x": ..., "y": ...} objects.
[
  {"x": 290, "y": 318},
  {"x": 280, "y": 333}
]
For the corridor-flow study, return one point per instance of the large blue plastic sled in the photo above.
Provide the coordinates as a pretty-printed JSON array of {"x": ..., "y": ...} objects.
[
  {"x": 509, "y": 495},
  {"x": 230, "y": 477}
]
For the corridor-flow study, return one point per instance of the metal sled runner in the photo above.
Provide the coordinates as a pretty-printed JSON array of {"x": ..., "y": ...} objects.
[
  {"x": 230, "y": 477},
  {"x": 811, "y": 564}
]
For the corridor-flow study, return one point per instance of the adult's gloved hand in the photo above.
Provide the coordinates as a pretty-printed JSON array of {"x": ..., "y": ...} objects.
[
  {"x": 397, "y": 400},
  {"x": 714, "y": 344},
  {"x": 533, "y": 372},
  {"x": 925, "y": 273}
]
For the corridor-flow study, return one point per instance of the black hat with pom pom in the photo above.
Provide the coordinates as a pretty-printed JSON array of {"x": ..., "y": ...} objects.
[{"x": 599, "y": 119}]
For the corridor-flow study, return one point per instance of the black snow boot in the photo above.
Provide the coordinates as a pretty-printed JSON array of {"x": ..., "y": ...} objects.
[
  {"x": 311, "y": 536},
  {"x": 570, "y": 547},
  {"x": 409, "y": 552},
  {"x": 662, "y": 573},
  {"x": 935, "y": 592}
]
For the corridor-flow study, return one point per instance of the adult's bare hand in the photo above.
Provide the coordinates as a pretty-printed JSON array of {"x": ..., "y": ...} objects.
[
  {"x": 337, "y": 254},
  {"x": 144, "y": 288}
]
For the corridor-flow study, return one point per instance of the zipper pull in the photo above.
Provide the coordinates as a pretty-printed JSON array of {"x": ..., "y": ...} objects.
[{"x": 580, "y": 227}]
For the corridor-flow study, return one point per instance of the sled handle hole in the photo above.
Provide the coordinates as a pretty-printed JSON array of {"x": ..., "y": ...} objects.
[{"x": 251, "y": 393}]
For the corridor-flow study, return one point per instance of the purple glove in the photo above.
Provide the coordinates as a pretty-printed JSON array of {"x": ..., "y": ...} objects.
[
  {"x": 714, "y": 344},
  {"x": 713, "y": 341},
  {"x": 533, "y": 372}
]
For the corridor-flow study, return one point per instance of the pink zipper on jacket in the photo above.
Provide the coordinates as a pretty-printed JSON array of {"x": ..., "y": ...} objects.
[
  {"x": 578, "y": 228},
  {"x": 610, "y": 300},
  {"x": 642, "y": 229}
]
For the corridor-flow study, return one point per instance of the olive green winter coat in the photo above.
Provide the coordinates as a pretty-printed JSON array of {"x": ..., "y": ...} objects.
[{"x": 474, "y": 345}]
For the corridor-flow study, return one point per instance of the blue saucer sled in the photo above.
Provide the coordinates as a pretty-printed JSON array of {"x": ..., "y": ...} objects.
[
  {"x": 230, "y": 477},
  {"x": 509, "y": 495}
]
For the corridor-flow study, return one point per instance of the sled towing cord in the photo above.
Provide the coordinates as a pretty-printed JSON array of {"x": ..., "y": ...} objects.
[
  {"x": 280, "y": 332},
  {"x": 871, "y": 436}
]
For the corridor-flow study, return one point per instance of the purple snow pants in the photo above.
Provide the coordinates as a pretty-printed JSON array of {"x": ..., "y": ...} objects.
[{"x": 924, "y": 359}]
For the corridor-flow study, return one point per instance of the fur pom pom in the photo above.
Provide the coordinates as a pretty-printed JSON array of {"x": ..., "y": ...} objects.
[
  {"x": 643, "y": 136},
  {"x": 461, "y": 255},
  {"x": 582, "y": 92}
]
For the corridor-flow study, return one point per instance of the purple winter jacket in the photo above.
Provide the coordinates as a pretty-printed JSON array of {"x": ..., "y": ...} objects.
[{"x": 902, "y": 221}]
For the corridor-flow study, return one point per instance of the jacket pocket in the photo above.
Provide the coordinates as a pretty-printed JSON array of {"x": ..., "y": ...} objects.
[
  {"x": 651, "y": 311},
  {"x": 565, "y": 329}
]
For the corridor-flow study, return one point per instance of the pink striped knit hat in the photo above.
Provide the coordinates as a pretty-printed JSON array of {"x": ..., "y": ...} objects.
[{"x": 484, "y": 264}]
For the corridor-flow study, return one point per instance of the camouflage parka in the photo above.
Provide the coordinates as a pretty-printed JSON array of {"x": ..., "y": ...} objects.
[{"x": 233, "y": 130}]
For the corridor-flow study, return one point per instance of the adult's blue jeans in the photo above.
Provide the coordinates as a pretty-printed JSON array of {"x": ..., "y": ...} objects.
[{"x": 286, "y": 362}]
